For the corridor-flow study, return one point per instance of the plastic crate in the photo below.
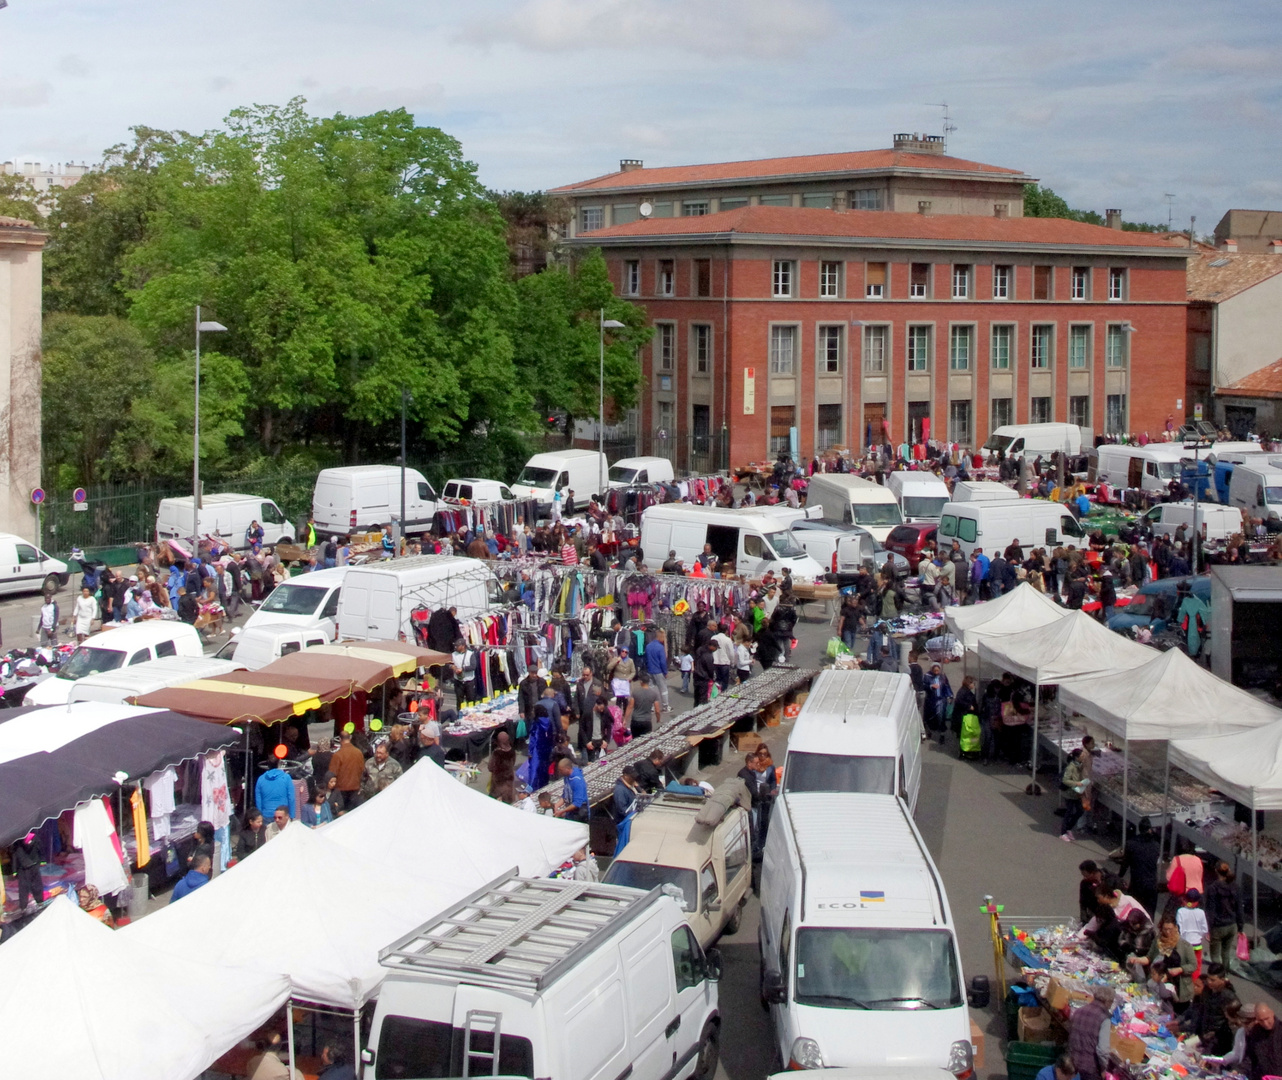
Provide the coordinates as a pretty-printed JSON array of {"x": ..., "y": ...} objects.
[{"x": 1025, "y": 1060}]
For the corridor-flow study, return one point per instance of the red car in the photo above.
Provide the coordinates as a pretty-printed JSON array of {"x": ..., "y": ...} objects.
[{"x": 910, "y": 540}]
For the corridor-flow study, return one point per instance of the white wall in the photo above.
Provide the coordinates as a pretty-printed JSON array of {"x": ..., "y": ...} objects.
[
  {"x": 20, "y": 447},
  {"x": 1249, "y": 331}
]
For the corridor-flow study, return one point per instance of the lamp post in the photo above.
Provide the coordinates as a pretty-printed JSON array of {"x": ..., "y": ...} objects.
[
  {"x": 1196, "y": 439},
  {"x": 603, "y": 325},
  {"x": 201, "y": 328}
]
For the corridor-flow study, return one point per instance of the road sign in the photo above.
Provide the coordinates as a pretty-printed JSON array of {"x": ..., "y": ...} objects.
[
  {"x": 1197, "y": 412},
  {"x": 79, "y": 495},
  {"x": 37, "y": 495}
]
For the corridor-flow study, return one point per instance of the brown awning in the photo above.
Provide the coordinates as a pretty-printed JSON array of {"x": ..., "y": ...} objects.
[
  {"x": 358, "y": 673},
  {"x": 218, "y": 706},
  {"x": 327, "y": 689},
  {"x": 424, "y": 656}
]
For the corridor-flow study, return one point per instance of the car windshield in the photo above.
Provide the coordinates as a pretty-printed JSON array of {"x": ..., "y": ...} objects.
[
  {"x": 87, "y": 660},
  {"x": 533, "y": 476},
  {"x": 924, "y": 506},
  {"x": 289, "y": 599},
  {"x": 1168, "y": 470},
  {"x": 622, "y": 475},
  {"x": 875, "y": 968},
  {"x": 999, "y": 443},
  {"x": 838, "y": 772},
  {"x": 647, "y": 876},
  {"x": 877, "y": 513},
  {"x": 785, "y": 544},
  {"x": 1273, "y": 495}
]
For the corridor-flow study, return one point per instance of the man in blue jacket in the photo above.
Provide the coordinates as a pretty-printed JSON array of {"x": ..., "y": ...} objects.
[
  {"x": 978, "y": 572},
  {"x": 656, "y": 665},
  {"x": 195, "y": 878},
  {"x": 275, "y": 788}
]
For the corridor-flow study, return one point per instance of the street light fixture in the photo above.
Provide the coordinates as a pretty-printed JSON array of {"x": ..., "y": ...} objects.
[
  {"x": 205, "y": 327},
  {"x": 1197, "y": 437},
  {"x": 604, "y": 325}
]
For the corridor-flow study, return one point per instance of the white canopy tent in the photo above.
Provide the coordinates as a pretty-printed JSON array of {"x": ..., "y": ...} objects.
[
  {"x": 1018, "y": 611},
  {"x": 58, "y": 1020},
  {"x": 55, "y": 726}
]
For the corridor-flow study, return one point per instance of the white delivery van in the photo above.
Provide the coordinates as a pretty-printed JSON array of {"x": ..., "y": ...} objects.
[
  {"x": 993, "y": 526},
  {"x": 857, "y": 731},
  {"x": 122, "y": 646},
  {"x": 550, "y": 978},
  {"x": 1029, "y": 440},
  {"x": 982, "y": 491},
  {"x": 852, "y": 500},
  {"x": 579, "y": 471},
  {"x": 25, "y": 568},
  {"x": 364, "y": 498},
  {"x": 753, "y": 541},
  {"x": 254, "y": 647},
  {"x": 122, "y": 685},
  {"x": 472, "y": 489},
  {"x": 226, "y": 516},
  {"x": 641, "y": 470},
  {"x": 844, "y": 549},
  {"x": 1151, "y": 468},
  {"x": 1220, "y": 522},
  {"x": 859, "y": 959},
  {"x": 304, "y": 601},
  {"x": 378, "y": 599},
  {"x": 1257, "y": 489},
  {"x": 921, "y": 495}
]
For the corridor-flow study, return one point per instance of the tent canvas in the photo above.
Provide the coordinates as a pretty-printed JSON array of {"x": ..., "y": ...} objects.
[
  {"x": 1018, "y": 611},
  {"x": 32, "y": 730},
  {"x": 220, "y": 706},
  {"x": 1246, "y": 766},
  {"x": 362, "y": 674},
  {"x": 1068, "y": 647}
]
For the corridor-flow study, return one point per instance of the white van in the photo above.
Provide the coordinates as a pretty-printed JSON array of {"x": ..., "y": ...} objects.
[
  {"x": 1029, "y": 440},
  {"x": 753, "y": 541},
  {"x": 364, "y": 498},
  {"x": 256, "y": 647},
  {"x": 378, "y": 599},
  {"x": 852, "y": 500},
  {"x": 226, "y": 516},
  {"x": 857, "y": 731},
  {"x": 121, "y": 646},
  {"x": 983, "y": 491},
  {"x": 304, "y": 601},
  {"x": 1219, "y": 522},
  {"x": 993, "y": 526},
  {"x": 472, "y": 489},
  {"x": 123, "y": 684},
  {"x": 921, "y": 495},
  {"x": 579, "y": 471},
  {"x": 641, "y": 470},
  {"x": 25, "y": 568},
  {"x": 845, "y": 549},
  {"x": 542, "y": 977},
  {"x": 1151, "y": 468},
  {"x": 859, "y": 959},
  {"x": 1257, "y": 489}
]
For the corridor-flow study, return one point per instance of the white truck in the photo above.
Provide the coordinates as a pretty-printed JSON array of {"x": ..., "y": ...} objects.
[
  {"x": 993, "y": 526},
  {"x": 377, "y": 600},
  {"x": 254, "y": 647},
  {"x": 121, "y": 646},
  {"x": 1030, "y": 440},
  {"x": 1257, "y": 489},
  {"x": 304, "y": 602},
  {"x": 580, "y": 471},
  {"x": 641, "y": 470},
  {"x": 550, "y": 978},
  {"x": 852, "y": 500},
  {"x": 921, "y": 495},
  {"x": 753, "y": 540},
  {"x": 364, "y": 498},
  {"x": 227, "y": 516}
]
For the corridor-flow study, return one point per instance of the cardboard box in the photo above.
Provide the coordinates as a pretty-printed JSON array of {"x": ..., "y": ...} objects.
[
  {"x": 745, "y": 741},
  {"x": 1128, "y": 1048},
  {"x": 1059, "y": 997},
  {"x": 977, "y": 1043},
  {"x": 1034, "y": 1025},
  {"x": 772, "y": 714}
]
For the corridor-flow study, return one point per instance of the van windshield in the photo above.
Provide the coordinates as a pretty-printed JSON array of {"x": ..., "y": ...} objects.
[
  {"x": 876, "y": 968},
  {"x": 877, "y": 513},
  {"x": 647, "y": 876},
  {"x": 1168, "y": 470},
  {"x": 89, "y": 661},
  {"x": 838, "y": 772},
  {"x": 1000, "y": 443},
  {"x": 289, "y": 599},
  {"x": 620, "y": 474},
  {"x": 534, "y": 476},
  {"x": 785, "y": 544},
  {"x": 923, "y": 506},
  {"x": 1273, "y": 495}
]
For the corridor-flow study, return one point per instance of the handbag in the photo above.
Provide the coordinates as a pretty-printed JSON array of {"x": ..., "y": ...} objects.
[
  {"x": 1243, "y": 948},
  {"x": 620, "y": 687}
]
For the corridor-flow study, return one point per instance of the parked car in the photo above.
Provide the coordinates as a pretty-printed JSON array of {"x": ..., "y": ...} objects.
[
  {"x": 30, "y": 569},
  {"x": 1156, "y": 603},
  {"x": 911, "y": 540},
  {"x": 120, "y": 646}
]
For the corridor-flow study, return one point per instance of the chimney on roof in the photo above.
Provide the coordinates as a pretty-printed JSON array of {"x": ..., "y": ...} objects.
[
  {"x": 840, "y": 201},
  {"x": 1113, "y": 218},
  {"x": 629, "y": 164},
  {"x": 1275, "y": 246},
  {"x": 920, "y": 144},
  {"x": 1228, "y": 245}
]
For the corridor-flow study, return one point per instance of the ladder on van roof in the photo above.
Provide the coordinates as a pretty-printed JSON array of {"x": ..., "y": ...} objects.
[{"x": 517, "y": 933}]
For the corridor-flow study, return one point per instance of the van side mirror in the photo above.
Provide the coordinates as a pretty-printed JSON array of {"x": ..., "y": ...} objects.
[
  {"x": 980, "y": 992},
  {"x": 712, "y": 965},
  {"x": 773, "y": 991}
]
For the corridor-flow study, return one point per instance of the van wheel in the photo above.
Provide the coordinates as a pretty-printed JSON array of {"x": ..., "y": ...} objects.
[
  {"x": 736, "y": 920},
  {"x": 52, "y": 583},
  {"x": 761, "y": 986},
  {"x": 709, "y": 1053}
]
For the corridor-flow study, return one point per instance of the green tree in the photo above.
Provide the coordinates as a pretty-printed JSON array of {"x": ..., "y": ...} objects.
[
  {"x": 18, "y": 199},
  {"x": 1044, "y": 203},
  {"x": 533, "y": 220}
]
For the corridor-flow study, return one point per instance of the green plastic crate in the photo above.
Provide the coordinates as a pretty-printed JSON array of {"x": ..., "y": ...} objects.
[{"x": 1025, "y": 1060}]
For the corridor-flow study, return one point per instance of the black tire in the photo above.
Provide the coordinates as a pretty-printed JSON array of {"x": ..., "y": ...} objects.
[
  {"x": 52, "y": 583},
  {"x": 761, "y": 986},
  {"x": 736, "y": 920},
  {"x": 705, "y": 1067}
]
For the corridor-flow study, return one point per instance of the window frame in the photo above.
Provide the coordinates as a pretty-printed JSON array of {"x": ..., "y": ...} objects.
[
  {"x": 1084, "y": 420},
  {"x": 1108, "y": 412},
  {"x": 1116, "y": 332},
  {"x": 783, "y": 279},
  {"x": 883, "y": 336},
  {"x": 915, "y": 286},
  {"x": 1041, "y": 332},
  {"x": 1050, "y": 408},
  {"x": 598, "y": 211},
  {"x": 775, "y": 334},
  {"x": 860, "y": 197},
  {"x": 882, "y": 287},
  {"x": 967, "y": 334},
  {"x": 966, "y": 438},
  {"x": 1080, "y": 283},
  {"x": 1075, "y": 333},
  {"x": 665, "y": 277},
  {"x": 910, "y": 335},
  {"x": 820, "y": 428},
  {"x": 994, "y": 421},
  {"x": 830, "y": 279},
  {"x": 701, "y": 365},
  {"x": 822, "y": 357},
  {"x": 1003, "y": 276},
  {"x": 1118, "y": 284},
  {"x": 996, "y": 330},
  {"x": 665, "y": 340},
  {"x": 631, "y": 277},
  {"x": 961, "y": 278},
  {"x": 701, "y": 284},
  {"x": 696, "y": 208}
]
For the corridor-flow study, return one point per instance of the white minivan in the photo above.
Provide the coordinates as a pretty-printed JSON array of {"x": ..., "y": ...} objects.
[
  {"x": 121, "y": 646},
  {"x": 550, "y": 978},
  {"x": 852, "y": 500},
  {"x": 1149, "y": 468},
  {"x": 579, "y": 471},
  {"x": 857, "y": 731},
  {"x": 921, "y": 495},
  {"x": 753, "y": 541},
  {"x": 227, "y": 516},
  {"x": 1216, "y": 522},
  {"x": 983, "y": 491},
  {"x": 994, "y": 526},
  {"x": 1257, "y": 489},
  {"x": 255, "y": 647},
  {"x": 470, "y": 489},
  {"x": 25, "y": 568},
  {"x": 364, "y": 498},
  {"x": 379, "y": 599},
  {"x": 304, "y": 601},
  {"x": 641, "y": 470},
  {"x": 1030, "y": 440}
]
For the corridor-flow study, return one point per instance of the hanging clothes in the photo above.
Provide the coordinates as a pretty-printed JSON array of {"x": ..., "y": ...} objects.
[
  {"x": 141, "y": 843},
  {"x": 94, "y": 833},
  {"x": 160, "y": 789},
  {"x": 215, "y": 802}
]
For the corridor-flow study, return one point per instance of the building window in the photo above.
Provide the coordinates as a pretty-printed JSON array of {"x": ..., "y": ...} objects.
[
  {"x": 959, "y": 422},
  {"x": 701, "y": 347},
  {"x": 830, "y": 280},
  {"x": 1000, "y": 408},
  {"x": 663, "y": 417},
  {"x": 830, "y": 341},
  {"x": 919, "y": 280},
  {"x": 591, "y": 218},
  {"x": 702, "y": 277},
  {"x": 775, "y": 200},
  {"x": 1001, "y": 209},
  {"x": 662, "y": 209},
  {"x": 828, "y": 419},
  {"x": 875, "y": 349},
  {"x": 1079, "y": 347},
  {"x": 923, "y": 206},
  {"x": 783, "y": 276},
  {"x": 959, "y": 347},
  {"x": 1039, "y": 410},
  {"x": 961, "y": 282},
  {"x": 817, "y": 200},
  {"x": 783, "y": 342},
  {"x": 1115, "y": 414},
  {"x": 697, "y": 208},
  {"x": 665, "y": 345},
  {"x": 632, "y": 278},
  {"x": 1115, "y": 347},
  {"x": 783, "y": 418},
  {"x": 919, "y": 348},
  {"x": 731, "y": 204},
  {"x": 667, "y": 277},
  {"x": 1043, "y": 340},
  {"x": 1041, "y": 282},
  {"x": 1002, "y": 336},
  {"x": 624, "y": 213},
  {"x": 1001, "y": 282},
  {"x": 1079, "y": 410},
  {"x": 865, "y": 199},
  {"x": 1116, "y": 283},
  {"x": 1081, "y": 283},
  {"x": 875, "y": 281}
]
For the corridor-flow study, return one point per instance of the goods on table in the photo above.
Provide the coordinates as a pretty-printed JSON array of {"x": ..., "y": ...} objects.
[{"x": 497, "y": 712}]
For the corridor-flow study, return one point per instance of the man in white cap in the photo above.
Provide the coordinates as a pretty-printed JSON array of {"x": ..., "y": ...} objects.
[{"x": 429, "y": 742}]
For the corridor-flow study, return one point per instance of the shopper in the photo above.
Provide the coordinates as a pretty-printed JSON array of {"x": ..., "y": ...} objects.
[
  {"x": 1225, "y": 915},
  {"x": 656, "y": 666}
]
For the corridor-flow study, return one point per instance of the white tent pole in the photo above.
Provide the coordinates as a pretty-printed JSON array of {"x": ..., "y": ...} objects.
[
  {"x": 1166, "y": 804},
  {"x": 289, "y": 1027},
  {"x": 1126, "y": 782},
  {"x": 1255, "y": 876},
  {"x": 1033, "y": 789},
  {"x": 357, "y": 1064}
]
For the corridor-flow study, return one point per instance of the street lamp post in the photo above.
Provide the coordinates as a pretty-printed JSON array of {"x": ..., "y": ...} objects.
[
  {"x": 603, "y": 325},
  {"x": 201, "y": 328},
  {"x": 1196, "y": 439}
]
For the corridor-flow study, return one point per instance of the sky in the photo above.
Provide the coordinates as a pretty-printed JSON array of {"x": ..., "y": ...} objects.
[{"x": 1109, "y": 104}]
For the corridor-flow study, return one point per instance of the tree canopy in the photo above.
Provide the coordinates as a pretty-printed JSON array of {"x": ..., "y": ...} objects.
[{"x": 1043, "y": 202}]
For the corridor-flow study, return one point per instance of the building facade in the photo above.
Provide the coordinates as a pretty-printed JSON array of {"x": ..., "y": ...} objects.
[{"x": 21, "y": 245}]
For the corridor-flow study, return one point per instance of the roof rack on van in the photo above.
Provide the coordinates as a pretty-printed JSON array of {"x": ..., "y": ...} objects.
[{"x": 517, "y": 933}]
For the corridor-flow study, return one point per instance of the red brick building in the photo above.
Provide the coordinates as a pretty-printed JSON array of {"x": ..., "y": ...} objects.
[{"x": 840, "y": 322}]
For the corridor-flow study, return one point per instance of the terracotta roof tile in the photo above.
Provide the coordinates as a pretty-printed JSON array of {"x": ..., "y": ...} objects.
[
  {"x": 1265, "y": 383},
  {"x": 880, "y": 225},
  {"x": 15, "y": 223},
  {"x": 1219, "y": 275},
  {"x": 771, "y": 168}
]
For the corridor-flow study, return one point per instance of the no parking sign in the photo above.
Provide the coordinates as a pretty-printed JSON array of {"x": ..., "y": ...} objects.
[{"x": 79, "y": 497}]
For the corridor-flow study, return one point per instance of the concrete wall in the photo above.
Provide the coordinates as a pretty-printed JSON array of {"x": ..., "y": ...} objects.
[
  {"x": 1249, "y": 331},
  {"x": 20, "y": 448}
]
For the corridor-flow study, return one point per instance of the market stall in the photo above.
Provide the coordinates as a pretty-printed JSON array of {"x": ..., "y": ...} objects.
[{"x": 1016, "y": 612}]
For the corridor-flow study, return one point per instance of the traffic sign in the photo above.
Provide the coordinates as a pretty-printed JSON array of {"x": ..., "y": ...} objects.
[
  {"x": 37, "y": 495},
  {"x": 79, "y": 495}
]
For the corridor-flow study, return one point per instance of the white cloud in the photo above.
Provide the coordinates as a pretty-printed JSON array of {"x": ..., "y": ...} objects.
[
  {"x": 25, "y": 95},
  {"x": 73, "y": 65},
  {"x": 356, "y": 100}
]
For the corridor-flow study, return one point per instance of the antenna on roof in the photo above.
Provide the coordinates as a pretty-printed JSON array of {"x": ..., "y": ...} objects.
[
  {"x": 1170, "y": 210},
  {"x": 949, "y": 126}
]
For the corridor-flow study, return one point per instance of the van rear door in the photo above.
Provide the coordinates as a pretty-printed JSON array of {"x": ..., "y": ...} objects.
[
  {"x": 383, "y": 613},
  {"x": 650, "y": 1004}
]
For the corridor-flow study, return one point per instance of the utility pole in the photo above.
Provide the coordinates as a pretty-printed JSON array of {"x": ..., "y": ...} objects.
[{"x": 1170, "y": 210}]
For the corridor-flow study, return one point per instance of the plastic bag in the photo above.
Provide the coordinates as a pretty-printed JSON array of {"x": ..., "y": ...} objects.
[
  {"x": 837, "y": 647},
  {"x": 1243, "y": 949}
]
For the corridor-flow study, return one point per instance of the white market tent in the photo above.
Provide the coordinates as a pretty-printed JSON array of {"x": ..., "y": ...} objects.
[
  {"x": 58, "y": 1020},
  {"x": 1018, "y": 611},
  {"x": 51, "y": 727}
]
